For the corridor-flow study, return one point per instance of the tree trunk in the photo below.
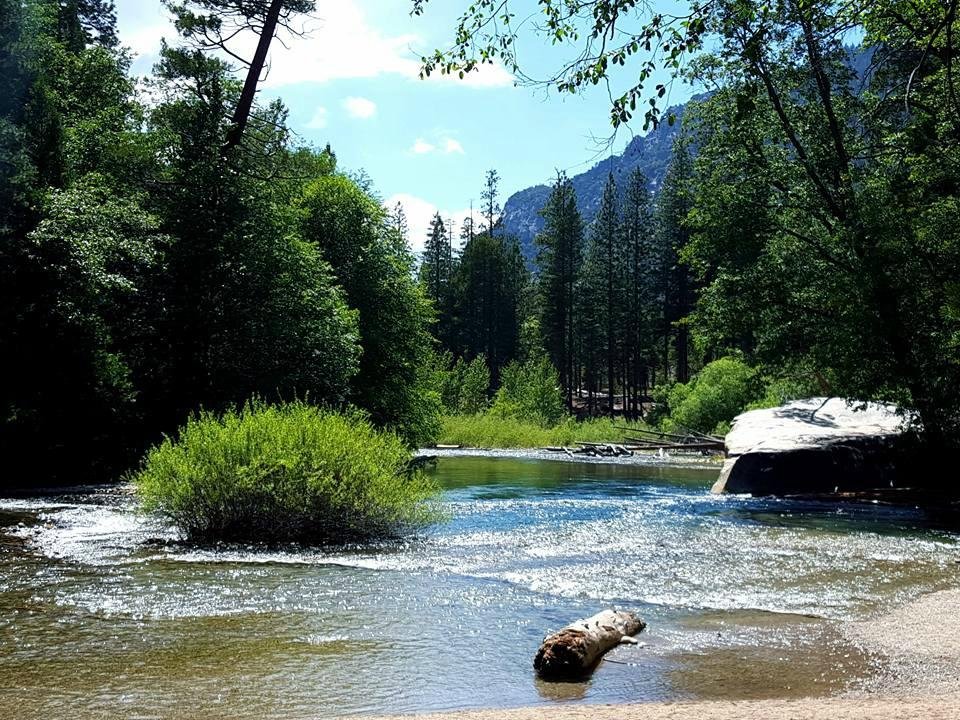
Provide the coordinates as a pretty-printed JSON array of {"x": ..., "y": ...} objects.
[
  {"x": 576, "y": 649},
  {"x": 242, "y": 112}
]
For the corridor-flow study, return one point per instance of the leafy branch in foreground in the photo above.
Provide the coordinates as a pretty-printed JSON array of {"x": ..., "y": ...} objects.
[{"x": 601, "y": 34}]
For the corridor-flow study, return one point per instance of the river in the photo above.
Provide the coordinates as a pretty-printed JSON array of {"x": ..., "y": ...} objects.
[{"x": 103, "y": 613}]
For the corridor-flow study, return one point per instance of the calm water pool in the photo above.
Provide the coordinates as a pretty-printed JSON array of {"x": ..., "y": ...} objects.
[{"x": 104, "y": 614}]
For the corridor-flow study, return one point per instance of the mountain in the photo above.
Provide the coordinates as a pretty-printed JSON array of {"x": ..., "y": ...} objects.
[{"x": 650, "y": 152}]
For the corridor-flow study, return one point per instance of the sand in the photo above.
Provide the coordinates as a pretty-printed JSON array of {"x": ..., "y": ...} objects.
[{"x": 921, "y": 680}]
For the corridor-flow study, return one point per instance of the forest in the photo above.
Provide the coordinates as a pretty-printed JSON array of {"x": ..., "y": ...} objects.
[
  {"x": 168, "y": 248},
  {"x": 277, "y": 446}
]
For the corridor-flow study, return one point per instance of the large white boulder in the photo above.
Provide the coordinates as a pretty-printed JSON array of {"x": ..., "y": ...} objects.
[{"x": 811, "y": 446}]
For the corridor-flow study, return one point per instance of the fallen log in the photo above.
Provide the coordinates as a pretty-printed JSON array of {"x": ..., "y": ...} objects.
[{"x": 575, "y": 650}]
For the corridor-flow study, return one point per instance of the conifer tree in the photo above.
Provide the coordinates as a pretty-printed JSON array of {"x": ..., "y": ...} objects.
[
  {"x": 603, "y": 292},
  {"x": 560, "y": 253},
  {"x": 643, "y": 304},
  {"x": 436, "y": 273},
  {"x": 673, "y": 205},
  {"x": 491, "y": 208}
]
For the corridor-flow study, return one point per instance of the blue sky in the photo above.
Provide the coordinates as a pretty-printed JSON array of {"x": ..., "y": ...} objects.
[{"x": 352, "y": 82}]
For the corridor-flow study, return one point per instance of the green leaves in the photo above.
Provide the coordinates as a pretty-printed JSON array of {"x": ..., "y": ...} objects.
[{"x": 288, "y": 472}]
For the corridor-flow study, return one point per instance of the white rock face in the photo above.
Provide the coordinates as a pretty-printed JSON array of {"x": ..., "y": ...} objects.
[
  {"x": 796, "y": 425},
  {"x": 812, "y": 424}
]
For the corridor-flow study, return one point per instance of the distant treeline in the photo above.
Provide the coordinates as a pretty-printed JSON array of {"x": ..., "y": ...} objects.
[{"x": 605, "y": 303}]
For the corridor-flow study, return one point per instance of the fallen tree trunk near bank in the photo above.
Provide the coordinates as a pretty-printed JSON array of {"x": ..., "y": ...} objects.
[{"x": 574, "y": 650}]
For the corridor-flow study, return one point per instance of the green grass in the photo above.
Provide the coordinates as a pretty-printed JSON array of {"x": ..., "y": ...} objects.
[
  {"x": 289, "y": 472},
  {"x": 487, "y": 430}
]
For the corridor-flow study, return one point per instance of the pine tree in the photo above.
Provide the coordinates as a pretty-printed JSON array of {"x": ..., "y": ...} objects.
[
  {"x": 491, "y": 208},
  {"x": 643, "y": 306},
  {"x": 673, "y": 205},
  {"x": 398, "y": 222},
  {"x": 602, "y": 287},
  {"x": 489, "y": 282},
  {"x": 436, "y": 273},
  {"x": 560, "y": 253}
]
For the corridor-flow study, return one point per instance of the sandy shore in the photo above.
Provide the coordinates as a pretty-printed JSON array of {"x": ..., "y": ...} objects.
[
  {"x": 920, "y": 643},
  {"x": 876, "y": 708}
]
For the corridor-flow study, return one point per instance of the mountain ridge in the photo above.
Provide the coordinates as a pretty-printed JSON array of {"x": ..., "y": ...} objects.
[{"x": 651, "y": 153}]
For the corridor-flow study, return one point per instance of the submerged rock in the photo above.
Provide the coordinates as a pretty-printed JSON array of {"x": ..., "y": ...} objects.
[{"x": 812, "y": 446}]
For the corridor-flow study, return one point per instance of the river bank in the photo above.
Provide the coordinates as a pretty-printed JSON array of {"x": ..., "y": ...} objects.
[
  {"x": 917, "y": 651},
  {"x": 648, "y": 459}
]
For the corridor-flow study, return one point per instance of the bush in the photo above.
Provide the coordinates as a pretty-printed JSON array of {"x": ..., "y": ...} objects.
[
  {"x": 488, "y": 430},
  {"x": 722, "y": 390},
  {"x": 285, "y": 472},
  {"x": 530, "y": 392},
  {"x": 464, "y": 386}
]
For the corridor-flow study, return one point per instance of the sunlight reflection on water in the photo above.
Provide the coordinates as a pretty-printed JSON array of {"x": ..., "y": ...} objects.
[{"x": 102, "y": 610}]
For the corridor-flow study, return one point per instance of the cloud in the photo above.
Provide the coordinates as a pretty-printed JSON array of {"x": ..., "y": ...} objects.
[
  {"x": 339, "y": 43},
  {"x": 444, "y": 144},
  {"x": 420, "y": 213},
  {"x": 422, "y": 147},
  {"x": 452, "y": 146},
  {"x": 359, "y": 107},
  {"x": 342, "y": 44},
  {"x": 319, "y": 119}
]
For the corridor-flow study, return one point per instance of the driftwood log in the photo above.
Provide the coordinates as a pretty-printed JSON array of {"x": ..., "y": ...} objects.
[{"x": 575, "y": 650}]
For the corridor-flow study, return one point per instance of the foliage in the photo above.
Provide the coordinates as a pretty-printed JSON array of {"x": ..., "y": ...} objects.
[
  {"x": 601, "y": 35},
  {"x": 719, "y": 392},
  {"x": 436, "y": 275},
  {"x": 529, "y": 391},
  {"x": 375, "y": 269},
  {"x": 465, "y": 385},
  {"x": 488, "y": 283},
  {"x": 823, "y": 212},
  {"x": 148, "y": 269},
  {"x": 284, "y": 472},
  {"x": 602, "y": 297},
  {"x": 674, "y": 284},
  {"x": 559, "y": 257},
  {"x": 496, "y": 431},
  {"x": 248, "y": 307}
]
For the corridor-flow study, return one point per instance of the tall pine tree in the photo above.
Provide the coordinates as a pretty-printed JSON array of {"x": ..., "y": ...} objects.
[
  {"x": 603, "y": 291},
  {"x": 560, "y": 254},
  {"x": 436, "y": 275},
  {"x": 673, "y": 205},
  {"x": 643, "y": 302}
]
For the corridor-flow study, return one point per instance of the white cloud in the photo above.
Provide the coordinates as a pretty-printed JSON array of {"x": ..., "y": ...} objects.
[
  {"x": 422, "y": 147},
  {"x": 359, "y": 107},
  {"x": 340, "y": 43},
  {"x": 319, "y": 119},
  {"x": 446, "y": 145},
  {"x": 452, "y": 146},
  {"x": 420, "y": 213}
]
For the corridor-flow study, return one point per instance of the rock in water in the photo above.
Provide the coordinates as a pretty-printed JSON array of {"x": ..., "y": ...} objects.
[
  {"x": 812, "y": 446},
  {"x": 574, "y": 650}
]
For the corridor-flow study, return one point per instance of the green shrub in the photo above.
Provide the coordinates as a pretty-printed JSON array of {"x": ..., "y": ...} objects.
[
  {"x": 493, "y": 431},
  {"x": 465, "y": 386},
  {"x": 781, "y": 390},
  {"x": 285, "y": 472},
  {"x": 722, "y": 390},
  {"x": 530, "y": 392}
]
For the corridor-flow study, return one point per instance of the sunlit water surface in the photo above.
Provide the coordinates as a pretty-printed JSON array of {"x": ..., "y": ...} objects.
[{"x": 104, "y": 614}]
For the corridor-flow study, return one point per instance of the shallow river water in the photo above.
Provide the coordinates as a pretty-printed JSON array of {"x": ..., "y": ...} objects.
[{"x": 104, "y": 614}]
